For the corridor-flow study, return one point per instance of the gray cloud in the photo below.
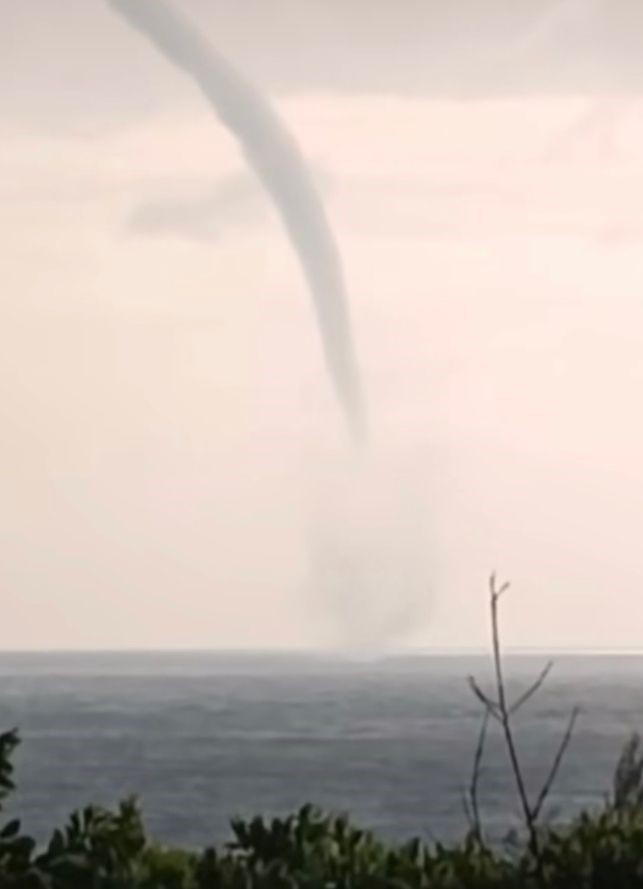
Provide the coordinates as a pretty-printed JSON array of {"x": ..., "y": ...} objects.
[
  {"x": 204, "y": 214},
  {"x": 65, "y": 64}
]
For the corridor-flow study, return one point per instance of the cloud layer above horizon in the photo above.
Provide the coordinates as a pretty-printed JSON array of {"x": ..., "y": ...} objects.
[{"x": 71, "y": 65}]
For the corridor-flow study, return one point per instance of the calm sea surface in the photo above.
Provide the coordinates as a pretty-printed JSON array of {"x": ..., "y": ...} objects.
[{"x": 202, "y": 737}]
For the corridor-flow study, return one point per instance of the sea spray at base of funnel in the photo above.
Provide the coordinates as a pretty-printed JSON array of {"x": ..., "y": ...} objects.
[
  {"x": 278, "y": 163},
  {"x": 371, "y": 569}
]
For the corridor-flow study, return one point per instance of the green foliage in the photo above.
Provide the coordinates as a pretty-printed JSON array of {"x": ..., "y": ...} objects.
[
  {"x": 96, "y": 848},
  {"x": 8, "y": 743},
  {"x": 628, "y": 777}
]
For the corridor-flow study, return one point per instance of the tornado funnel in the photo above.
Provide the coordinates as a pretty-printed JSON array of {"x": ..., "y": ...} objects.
[{"x": 277, "y": 161}]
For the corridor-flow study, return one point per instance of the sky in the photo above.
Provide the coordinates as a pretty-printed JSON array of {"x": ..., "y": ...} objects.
[{"x": 175, "y": 469}]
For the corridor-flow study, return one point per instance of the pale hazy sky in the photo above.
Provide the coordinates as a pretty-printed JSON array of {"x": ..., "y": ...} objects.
[{"x": 174, "y": 468}]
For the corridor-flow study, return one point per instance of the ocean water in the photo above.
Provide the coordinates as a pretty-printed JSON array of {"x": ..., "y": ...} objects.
[{"x": 202, "y": 737}]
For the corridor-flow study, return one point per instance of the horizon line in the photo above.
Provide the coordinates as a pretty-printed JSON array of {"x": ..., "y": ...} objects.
[{"x": 330, "y": 653}]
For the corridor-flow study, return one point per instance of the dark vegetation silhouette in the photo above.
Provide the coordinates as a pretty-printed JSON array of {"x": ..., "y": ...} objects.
[{"x": 602, "y": 849}]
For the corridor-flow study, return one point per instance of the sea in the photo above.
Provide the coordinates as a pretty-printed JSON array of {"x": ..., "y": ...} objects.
[{"x": 200, "y": 738}]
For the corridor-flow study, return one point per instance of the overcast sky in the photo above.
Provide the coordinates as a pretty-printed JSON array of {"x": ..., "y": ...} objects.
[{"x": 174, "y": 468}]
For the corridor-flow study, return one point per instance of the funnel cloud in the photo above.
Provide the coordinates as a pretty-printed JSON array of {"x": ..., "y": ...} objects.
[{"x": 278, "y": 163}]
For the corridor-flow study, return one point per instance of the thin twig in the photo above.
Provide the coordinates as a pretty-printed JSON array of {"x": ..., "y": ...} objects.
[
  {"x": 497, "y": 592},
  {"x": 468, "y": 814},
  {"x": 490, "y": 706},
  {"x": 532, "y": 689},
  {"x": 473, "y": 806},
  {"x": 558, "y": 759},
  {"x": 505, "y": 717}
]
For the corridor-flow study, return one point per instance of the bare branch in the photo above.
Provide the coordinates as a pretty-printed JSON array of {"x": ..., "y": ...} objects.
[
  {"x": 473, "y": 806},
  {"x": 558, "y": 759},
  {"x": 505, "y": 720},
  {"x": 495, "y": 590},
  {"x": 490, "y": 706},
  {"x": 532, "y": 689},
  {"x": 501, "y": 710},
  {"x": 468, "y": 814}
]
